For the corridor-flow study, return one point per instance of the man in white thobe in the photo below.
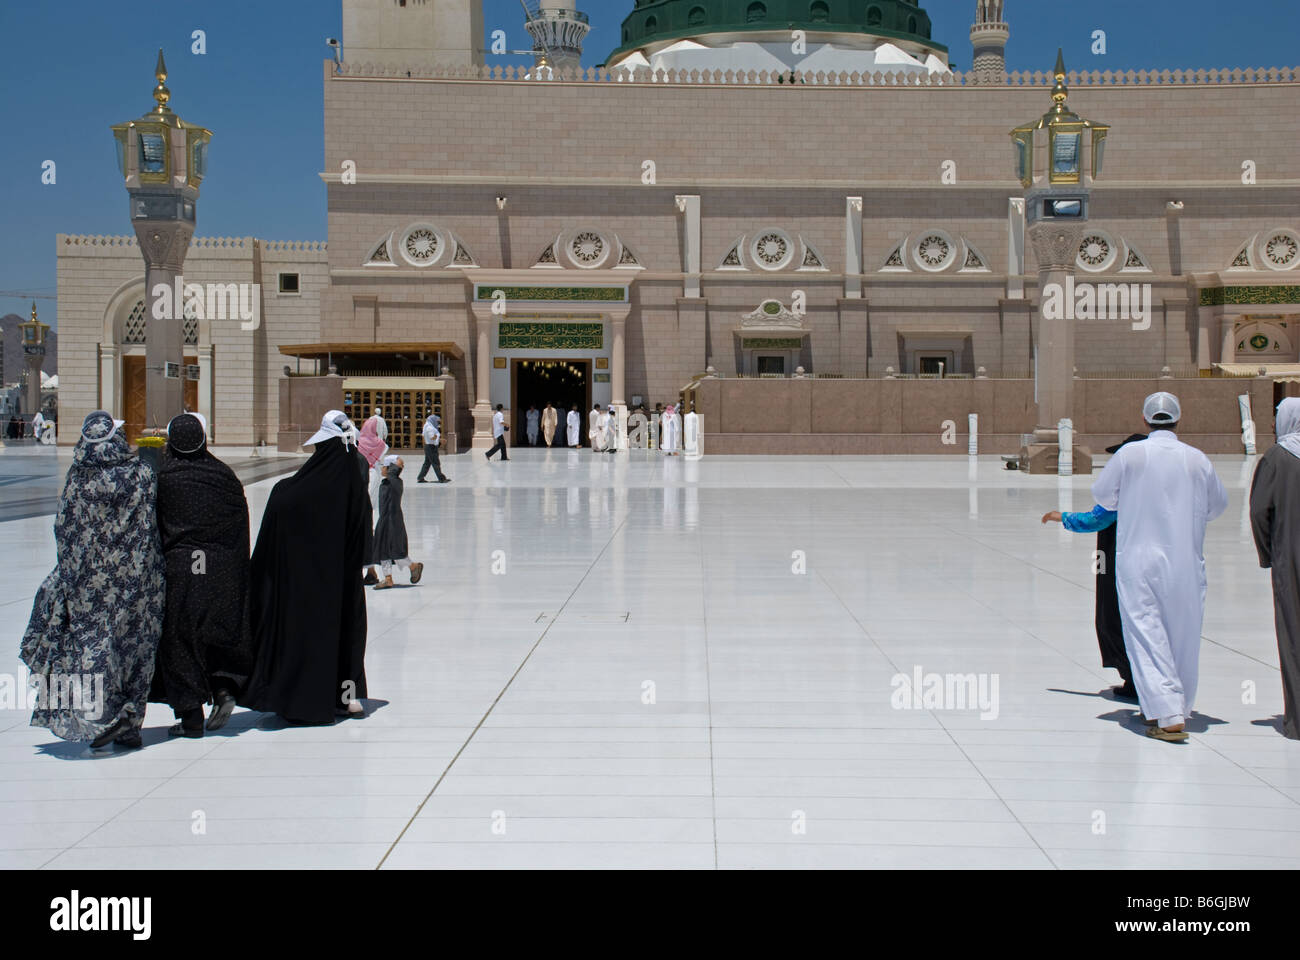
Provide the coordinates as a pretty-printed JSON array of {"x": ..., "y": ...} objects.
[
  {"x": 1165, "y": 492},
  {"x": 573, "y": 427},
  {"x": 671, "y": 432},
  {"x": 596, "y": 429},
  {"x": 611, "y": 430},
  {"x": 531, "y": 422}
]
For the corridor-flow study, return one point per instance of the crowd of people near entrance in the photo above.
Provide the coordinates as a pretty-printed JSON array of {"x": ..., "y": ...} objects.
[
  {"x": 156, "y": 592},
  {"x": 541, "y": 427},
  {"x": 1155, "y": 498}
]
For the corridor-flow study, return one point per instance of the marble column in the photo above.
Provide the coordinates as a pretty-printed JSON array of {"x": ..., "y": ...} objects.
[
  {"x": 1056, "y": 246},
  {"x": 163, "y": 246},
  {"x": 852, "y": 248},
  {"x": 689, "y": 207},
  {"x": 206, "y": 388},
  {"x": 482, "y": 411}
]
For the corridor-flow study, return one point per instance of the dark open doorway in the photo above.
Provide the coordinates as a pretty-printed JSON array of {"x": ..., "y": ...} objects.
[{"x": 563, "y": 383}]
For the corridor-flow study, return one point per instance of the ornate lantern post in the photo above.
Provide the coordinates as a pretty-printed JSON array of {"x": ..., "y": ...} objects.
[
  {"x": 33, "y": 334},
  {"x": 163, "y": 159},
  {"x": 1057, "y": 168}
]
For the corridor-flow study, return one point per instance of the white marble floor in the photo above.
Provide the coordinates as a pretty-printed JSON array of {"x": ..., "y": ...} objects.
[{"x": 616, "y": 663}]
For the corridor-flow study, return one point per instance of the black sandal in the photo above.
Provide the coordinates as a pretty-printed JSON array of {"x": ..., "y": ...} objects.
[
  {"x": 120, "y": 729},
  {"x": 223, "y": 705}
]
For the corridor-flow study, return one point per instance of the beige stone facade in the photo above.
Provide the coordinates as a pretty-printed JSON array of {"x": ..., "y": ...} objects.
[
  {"x": 704, "y": 197},
  {"x": 102, "y": 284}
]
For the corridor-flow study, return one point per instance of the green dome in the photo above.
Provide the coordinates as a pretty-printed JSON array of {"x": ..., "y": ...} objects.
[{"x": 663, "y": 21}]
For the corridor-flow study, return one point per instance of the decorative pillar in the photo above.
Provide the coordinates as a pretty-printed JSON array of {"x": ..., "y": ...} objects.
[
  {"x": 109, "y": 398},
  {"x": 1056, "y": 164},
  {"x": 482, "y": 412},
  {"x": 1227, "y": 339},
  {"x": 616, "y": 372},
  {"x": 1056, "y": 245},
  {"x": 163, "y": 159},
  {"x": 32, "y": 334},
  {"x": 852, "y": 248},
  {"x": 1016, "y": 248},
  {"x": 689, "y": 206},
  {"x": 207, "y": 388}
]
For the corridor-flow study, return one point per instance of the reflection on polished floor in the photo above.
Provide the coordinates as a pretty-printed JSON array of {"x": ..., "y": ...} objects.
[{"x": 641, "y": 662}]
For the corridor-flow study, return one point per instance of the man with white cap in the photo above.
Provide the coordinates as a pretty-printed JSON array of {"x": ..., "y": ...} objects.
[{"x": 1166, "y": 492}]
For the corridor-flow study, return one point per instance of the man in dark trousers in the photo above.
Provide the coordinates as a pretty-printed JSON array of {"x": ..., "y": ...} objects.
[
  {"x": 1110, "y": 627},
  {"x": 432, "y": 438},
  {"x": 499, "y": 430}
]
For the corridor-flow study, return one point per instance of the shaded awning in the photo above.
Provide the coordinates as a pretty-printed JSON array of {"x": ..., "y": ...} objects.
[
  {"x": 314, "y": 351},
  {"x": 1252, "y": 369}
]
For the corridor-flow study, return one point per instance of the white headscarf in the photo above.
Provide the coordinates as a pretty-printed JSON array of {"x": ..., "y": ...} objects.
[
  {"x": 334, "y": 424},
  {"x": 1288, "y": 425}
]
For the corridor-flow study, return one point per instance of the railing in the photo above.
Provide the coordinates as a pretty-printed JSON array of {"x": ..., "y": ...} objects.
[{"x": 1026, "y": 78}]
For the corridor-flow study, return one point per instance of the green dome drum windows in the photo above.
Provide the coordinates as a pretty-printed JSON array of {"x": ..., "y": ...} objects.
[{"x": 659, "y": 23}]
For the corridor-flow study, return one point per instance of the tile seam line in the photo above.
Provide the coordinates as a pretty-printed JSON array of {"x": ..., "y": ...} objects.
[
  {"x": 482, "y": 720},
  {"x": 708, "y": 692},
  {"x": 939, "y": 720},
  {"x": 1052, "y": 573},
  {"x": 157, "y": 786}
]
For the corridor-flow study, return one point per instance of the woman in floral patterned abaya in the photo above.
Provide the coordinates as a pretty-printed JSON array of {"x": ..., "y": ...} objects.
[{"x": 93, "y": 634}]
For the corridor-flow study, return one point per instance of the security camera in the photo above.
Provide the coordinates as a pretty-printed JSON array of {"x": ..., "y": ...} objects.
[{"x": 332, "y": 42}]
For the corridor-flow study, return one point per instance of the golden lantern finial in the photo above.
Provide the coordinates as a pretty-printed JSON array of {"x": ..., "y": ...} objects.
[
  {"x": 160, "y": 93},
  {"x": 1060, "y": 92},
  {"x": 33, "y": 311}
]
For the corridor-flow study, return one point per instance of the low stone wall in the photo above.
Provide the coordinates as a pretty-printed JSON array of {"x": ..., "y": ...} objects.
[
  {"x": 916, "y": 417},
  {"x": 303, "y": 401}
]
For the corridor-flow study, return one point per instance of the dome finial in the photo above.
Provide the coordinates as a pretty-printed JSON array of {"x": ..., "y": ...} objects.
[
  {"x": 160, "y": 93},
  {"x": 1060, "y": 91}
]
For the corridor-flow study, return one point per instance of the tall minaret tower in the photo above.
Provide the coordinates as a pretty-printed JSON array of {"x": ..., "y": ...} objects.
[
  {"x": 989, "y": 36},
  {"x": 558, "y": 30}
]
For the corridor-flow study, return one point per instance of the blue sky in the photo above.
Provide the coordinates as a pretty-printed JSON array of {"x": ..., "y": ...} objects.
[{"x": 72, "y": 68}]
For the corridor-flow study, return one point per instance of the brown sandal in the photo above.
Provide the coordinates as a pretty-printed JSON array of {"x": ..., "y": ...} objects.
[
  {"x": 1169, "y": 736},
  {"x": 387, "y": 584}
]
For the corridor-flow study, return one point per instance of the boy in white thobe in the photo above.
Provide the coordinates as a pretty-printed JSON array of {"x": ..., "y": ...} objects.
[{"x": 1165, "y": 492}]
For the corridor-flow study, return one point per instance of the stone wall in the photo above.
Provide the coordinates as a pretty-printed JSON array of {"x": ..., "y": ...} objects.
[
  {"x": 805, "y": 416},
  {"x": 100, "y": 277}
]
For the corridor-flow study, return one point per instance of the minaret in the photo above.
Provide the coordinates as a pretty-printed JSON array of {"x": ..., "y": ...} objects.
[
  {"x": 558, "y": 30},
  {"x": 988, "y": 36}
]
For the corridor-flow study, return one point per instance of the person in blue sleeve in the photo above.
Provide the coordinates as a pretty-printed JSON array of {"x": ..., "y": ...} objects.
[{"x": 1110, "y": 629}]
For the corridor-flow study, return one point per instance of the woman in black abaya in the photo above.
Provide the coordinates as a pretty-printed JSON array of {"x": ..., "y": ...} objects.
[
  {"x": 206, "y": 653},
  {"x": 308, "y": 605}
]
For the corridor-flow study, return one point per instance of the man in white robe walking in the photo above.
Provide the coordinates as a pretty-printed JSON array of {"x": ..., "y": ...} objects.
[{"x": 1165, "y": 492}]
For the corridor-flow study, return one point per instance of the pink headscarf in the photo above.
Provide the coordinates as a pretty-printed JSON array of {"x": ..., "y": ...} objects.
[
  {"x": 672, "y": 409},
  {"x": 371, "y": 447}
]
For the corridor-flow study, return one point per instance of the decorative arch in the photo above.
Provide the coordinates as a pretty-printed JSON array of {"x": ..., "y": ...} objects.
[
  {"x": 1264, "y": 339},
  {"x": 756, "y": 13}
]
